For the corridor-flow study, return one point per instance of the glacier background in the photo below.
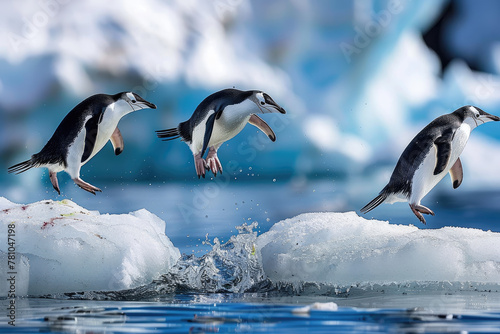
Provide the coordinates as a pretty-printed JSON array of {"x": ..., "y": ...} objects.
[{"x": 350, "y": 113}]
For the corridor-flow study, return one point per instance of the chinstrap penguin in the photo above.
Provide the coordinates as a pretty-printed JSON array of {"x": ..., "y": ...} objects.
[
  {"x": 433, "y": 153},
  {"x": 82, "y": 133},
  {"x": 218, "y": 118}
]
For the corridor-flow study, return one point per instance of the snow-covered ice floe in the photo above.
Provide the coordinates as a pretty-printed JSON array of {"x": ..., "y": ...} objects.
[
  {"x": 343, "y": 249},
  {"x": 65, "y": 251},
  {"x": 62, "y": 247}
]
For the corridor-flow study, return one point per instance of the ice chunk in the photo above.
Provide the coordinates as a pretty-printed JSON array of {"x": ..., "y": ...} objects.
[
  {"x": 331, "y": 306},
  {"x": 62, "y": 247},
  {"x": 344, "y": 249}
]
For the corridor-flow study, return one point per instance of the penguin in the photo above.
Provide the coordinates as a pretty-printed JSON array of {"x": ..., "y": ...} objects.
[
  {"x": 81, "y": 134},
  {"x": 218, "y": 118},
  {"x": 434, "y": 152}
]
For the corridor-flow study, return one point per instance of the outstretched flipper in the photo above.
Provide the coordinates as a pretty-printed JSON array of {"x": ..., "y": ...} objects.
[
  {"x": 117, "y": 141},
  {"x": 457, "y": 174},
  {"x": 375, "y": 202},
  {"x": 443, "y": 148},
  {"x": 263, "y": 126}
]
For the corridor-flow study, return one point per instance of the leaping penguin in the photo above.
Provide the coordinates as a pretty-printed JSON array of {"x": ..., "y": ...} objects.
[
  {"x": 82, "y": 133},
  {"x": 218, "y": 118},
  {"x": 433, "y": 153}
]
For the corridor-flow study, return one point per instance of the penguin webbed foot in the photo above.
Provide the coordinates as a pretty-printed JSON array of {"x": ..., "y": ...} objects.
[
  {"x": 213, "y": 162},
  {"x": 86, "y": 186},
  {"x": 418, "y": 209},
  {"x": 200, "y": 165},
  {"x": 53, "y": 180}
]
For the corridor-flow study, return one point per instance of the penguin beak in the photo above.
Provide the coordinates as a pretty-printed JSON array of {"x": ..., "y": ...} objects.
[
  {"x": 143, "y": 104},
  {"x": 493, "y": 118},
  {"x": 273, "y": 105},
  {"x": 485, "y": 118},
  {"x": 147, "y": 105}
]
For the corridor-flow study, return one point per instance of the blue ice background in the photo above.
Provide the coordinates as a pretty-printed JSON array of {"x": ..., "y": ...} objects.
[{"x": 348, "y": 120}]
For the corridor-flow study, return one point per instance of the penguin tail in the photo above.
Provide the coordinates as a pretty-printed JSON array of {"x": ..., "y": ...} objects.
[
  {"x": 375, "y": 202},
  {"x": 168, "y": 134},
  {"x": 22, "y": 166}
]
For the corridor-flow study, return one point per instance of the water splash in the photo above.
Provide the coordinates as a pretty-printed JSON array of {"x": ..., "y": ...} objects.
[
  {"x": 234, "y": 266},
  {"x": 231, "y": 267}
]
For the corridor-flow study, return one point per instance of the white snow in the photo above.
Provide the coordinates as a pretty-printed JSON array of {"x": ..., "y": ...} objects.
[
  {"x": 62, "y": 247},
  {"x": 344, "y": 249}
]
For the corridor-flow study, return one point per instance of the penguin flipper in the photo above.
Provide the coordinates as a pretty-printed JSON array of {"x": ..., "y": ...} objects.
[
  {"x": 457, "y": 174},
  {"x": 443, "y": 147},
  {"x": 375, "y": 202},
  {"x": 209, "y": 127},
  {"x": 117, "y": 141},
  {"x": 91, "y": 128},
  {"x": 262, "y": 126}
]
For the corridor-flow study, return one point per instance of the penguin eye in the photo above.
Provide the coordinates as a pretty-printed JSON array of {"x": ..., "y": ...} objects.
[
  {"x": 262, "y": 102},
  {"x": 134, "y": 101}
]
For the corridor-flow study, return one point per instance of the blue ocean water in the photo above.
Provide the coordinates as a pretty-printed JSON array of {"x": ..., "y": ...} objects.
[
  {"x": 134, "y": 317},
  {"x": 195, "y": 213}
]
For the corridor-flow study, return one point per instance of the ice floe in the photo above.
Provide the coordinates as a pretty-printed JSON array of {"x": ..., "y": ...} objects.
[
  {"x": 62, "y": 247},
  {"x": 343, "y": 249},
  {"x": 65, "y": 251}
]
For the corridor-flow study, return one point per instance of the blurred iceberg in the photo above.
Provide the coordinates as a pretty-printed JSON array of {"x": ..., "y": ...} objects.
[{"x": 356, "y": 77}]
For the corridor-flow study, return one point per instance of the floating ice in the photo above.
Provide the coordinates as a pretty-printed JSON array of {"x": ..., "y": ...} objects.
[
  {"x": 343, "y": 249},
  {"x": 331, "y": 306},
  {"x": 62, "y": 247}
]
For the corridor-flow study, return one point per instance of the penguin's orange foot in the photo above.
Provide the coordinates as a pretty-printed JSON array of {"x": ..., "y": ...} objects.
[
  {"x": 418, "y": 209},
  {"x": 213, "y": 162}
]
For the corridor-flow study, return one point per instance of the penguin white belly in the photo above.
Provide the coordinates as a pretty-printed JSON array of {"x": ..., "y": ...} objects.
[
  {"x": 424, "y": 179},
  {"x": 227, "y": 127},
  {"x": 232, "y": 120}
]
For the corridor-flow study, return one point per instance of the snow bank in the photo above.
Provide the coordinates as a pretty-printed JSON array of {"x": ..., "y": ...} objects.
[
  {"x": 345, "y": 249},
  {"x": 62, "y": 247}
]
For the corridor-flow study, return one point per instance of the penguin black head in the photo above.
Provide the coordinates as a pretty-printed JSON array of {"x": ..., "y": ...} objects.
[
  {"x": 134, "y": 101},
  {"x": 265, "y": 103},
  {"x": 477, "y": 115}
]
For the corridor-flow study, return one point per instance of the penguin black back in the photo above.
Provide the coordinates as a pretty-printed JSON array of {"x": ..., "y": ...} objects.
[
  {"x": 415, "y": 153},
  {"x": 217, "y": 101},
  {"x": 70, "y": 126}
]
